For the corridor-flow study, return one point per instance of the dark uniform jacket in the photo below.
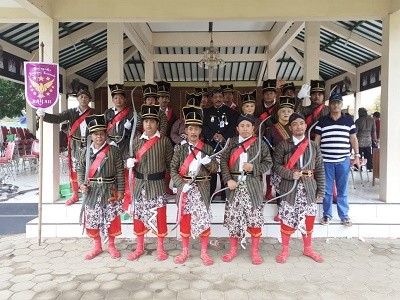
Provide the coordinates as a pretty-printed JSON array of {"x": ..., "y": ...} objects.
[
  {"x": 111, "y": 166},
  {"x": 272, "y": 110},
  {"x": 314, "y": 185},
  {"x": 181, "y": 152},
  {"x": 277, "y": 133},
  {"x": 213, "y": 119},
  {"x": 261, "y": 164},
  {"x": 309, "y": 110},
  {"x": 118, "y": 133},
  {"x": 170, "y": 122},
  {"x": 70, "y": 115},
  {"x": 155, "y": 160}
]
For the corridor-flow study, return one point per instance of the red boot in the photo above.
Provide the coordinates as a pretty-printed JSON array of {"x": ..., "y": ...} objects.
[
  {"x": 256, "y": 259},
  {"x": 308, "y": 251},
  {"x": 232, "y": 251},
  {"x": 75, "y": 194},
  {"x": 207, "y": 261},
  {"x": 181, "y": 258},
  {"x": 96, "y": 250},
  {"x": 281, "y": 258},
  {"x": 111, "y": 248},
  {"x": 139, "y": 248},
  {"x": 161, "y": 254}
]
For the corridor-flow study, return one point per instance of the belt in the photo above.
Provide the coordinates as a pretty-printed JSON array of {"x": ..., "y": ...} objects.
[
  {"x": 198, "y": 178},
  {"x": 307, "y": 173},
  {"x": 154, "y": 176},
  {"x": 101, "y": 180},
  {"x": 239, "y": 173}
]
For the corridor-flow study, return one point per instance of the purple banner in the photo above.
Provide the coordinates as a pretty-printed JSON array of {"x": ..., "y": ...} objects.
[{"x": 41, "y": 84}]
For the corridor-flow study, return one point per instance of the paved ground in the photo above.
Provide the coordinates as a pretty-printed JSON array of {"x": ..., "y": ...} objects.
[{"x": 353, "y": 269}]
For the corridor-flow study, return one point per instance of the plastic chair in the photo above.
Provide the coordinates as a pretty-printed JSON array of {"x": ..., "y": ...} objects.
[
  {"x": 7, "y": 161},
  {"x": 33, "y": 156}
]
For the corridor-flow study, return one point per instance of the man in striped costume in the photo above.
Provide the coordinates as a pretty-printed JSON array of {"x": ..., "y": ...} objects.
[
  {"x": 150, "y": 98},
  {"x": 104, "y": 187},
  {"x": 76, "y": 136},
  {"x": 152, "y": 157},
  {"x": 190, "y": 169},
  {"x": 119, "y": 125},
  {"x": 298, "y": 209},
  {"x": 244, "y": 205},
  {"x": 335, "y": 133},
  {"x": 279, "y": 132}
]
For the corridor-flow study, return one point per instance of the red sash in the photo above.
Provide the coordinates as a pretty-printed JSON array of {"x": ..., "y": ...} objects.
[
  {"x": 169, "y": 114},
  {"x": 74, "y": 127},
  {"x": 117, "y": 118},
  {"x": 314, "y": 115},
  {"x": 296, "y": 155},
  {"x": 267, "y": 113},
  {"x": 146, "y": 147},
  {"x": 189, "y": 158},
  {"x": 97, "y": 161},
  {"x": 240, "y": 150}
]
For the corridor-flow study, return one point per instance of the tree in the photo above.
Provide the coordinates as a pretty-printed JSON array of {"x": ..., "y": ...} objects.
[
  {"x": 12, "y": 98},
  {"x": 377, "y": 103}
]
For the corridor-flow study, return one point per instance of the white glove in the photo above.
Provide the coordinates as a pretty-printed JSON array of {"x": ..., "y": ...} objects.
[
  {"x": 183, "y": 142},
  {"x": 40, "y": 112},
  {"x": 186, "y": 188},
  {"x": 205, "y": 160},
  {"x": 304, "y": 91},
  {"x": 130, "y": 162},
  {"x": 128, "y": 125}
]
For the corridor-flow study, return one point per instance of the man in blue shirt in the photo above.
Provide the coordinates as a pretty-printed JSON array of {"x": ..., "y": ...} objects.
[{"x": 335, "y": 133}]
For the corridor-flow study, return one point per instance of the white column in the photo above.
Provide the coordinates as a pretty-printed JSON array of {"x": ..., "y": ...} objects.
[
  {"x": 48, "y": 34},
  {"x": 271, "y": 69},
  {"x": 311, "y": 54},
  {"x": 148, "y": 72},
  {"x": 115, "y": 56},
  {"x": 390, "y": 110},
  {"x": 30, "y": 118}
]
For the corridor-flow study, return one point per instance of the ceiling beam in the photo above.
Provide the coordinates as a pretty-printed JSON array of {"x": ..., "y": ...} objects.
[
  {"x": 83, "y": 33},
  {"x": 127, "y": 56},
  {"x": 289, "y": 36},
  {"x": 210, "y": 10},
  {"x": 202, "y": 39},
  {"x": 292, "y": 52},
  {"x": 328, "y": 58},
  {"x": 352, "y": 37},
  {"x": 10, "y": 48},
  {"x": 16, "y": 15},
  {"x": 261, "y": 74},
  {"x": 277, "y": 33},
  {"x": 93, "y": 59},
  {"x": 40, "y": 8},
  {"x": 197, "y": 57},
  {"x": 133, "y": 33}
]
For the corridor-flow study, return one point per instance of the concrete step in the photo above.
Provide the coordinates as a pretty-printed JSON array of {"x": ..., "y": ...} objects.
[{"x": 369, "y": 220}]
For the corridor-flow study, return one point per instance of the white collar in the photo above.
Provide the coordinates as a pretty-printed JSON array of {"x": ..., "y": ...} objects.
[
  {"x": 242, "y": 139},
  {"x": 97, "y": 150},
  {"x": 296, "y": 140},
  {"x": 145, "y": 137}
]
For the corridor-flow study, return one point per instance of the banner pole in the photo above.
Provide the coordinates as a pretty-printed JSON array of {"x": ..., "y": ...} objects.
[{"x": 40, "y": 163}]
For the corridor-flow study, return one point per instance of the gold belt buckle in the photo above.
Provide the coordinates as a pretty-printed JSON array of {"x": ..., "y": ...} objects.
[{"x": 309, "y": 173}]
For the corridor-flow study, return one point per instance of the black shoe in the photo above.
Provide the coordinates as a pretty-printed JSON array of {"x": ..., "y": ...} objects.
[
  {"x": 325, "y": 221},
  {"x": 347, "y": 222}
]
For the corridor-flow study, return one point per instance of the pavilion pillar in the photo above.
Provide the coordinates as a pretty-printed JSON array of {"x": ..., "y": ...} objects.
[
  {"x": 311, "y": 54},
  {"x": 390, "y": 110},
  {"x": 115, "y": 56},
  {"x": 48, "y": 34}
]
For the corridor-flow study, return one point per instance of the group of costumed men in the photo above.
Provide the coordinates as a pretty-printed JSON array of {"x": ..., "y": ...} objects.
[{"x": 140, "y": 142}]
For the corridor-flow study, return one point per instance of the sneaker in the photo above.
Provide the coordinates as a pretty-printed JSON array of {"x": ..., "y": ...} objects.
[
  {"x": 347, "y": 222},
  {"x": 325, "y": 221}
]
